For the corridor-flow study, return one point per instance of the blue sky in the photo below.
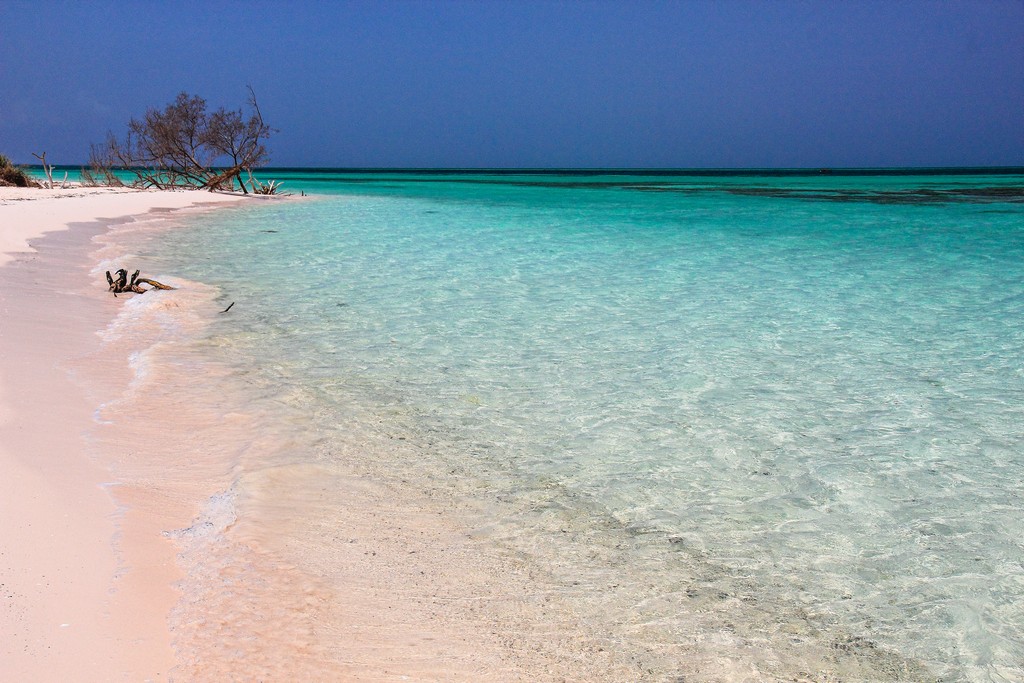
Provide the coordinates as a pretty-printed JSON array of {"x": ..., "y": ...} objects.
[{"x": 489, "y": 83}]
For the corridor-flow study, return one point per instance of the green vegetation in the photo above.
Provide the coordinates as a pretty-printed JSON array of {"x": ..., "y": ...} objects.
[{"x": 11, "y": 175}]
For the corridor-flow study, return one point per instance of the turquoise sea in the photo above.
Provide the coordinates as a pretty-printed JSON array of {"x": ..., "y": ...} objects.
[{"x": 770, "y": 419}]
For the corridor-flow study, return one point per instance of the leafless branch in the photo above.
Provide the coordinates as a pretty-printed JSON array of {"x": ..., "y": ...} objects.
[
  {"x": 47, "y": 169},
  {"x": 183, "y": 145}
]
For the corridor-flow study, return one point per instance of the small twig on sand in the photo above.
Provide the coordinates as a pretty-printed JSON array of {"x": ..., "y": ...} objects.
[{"x": 228, "y": 308}]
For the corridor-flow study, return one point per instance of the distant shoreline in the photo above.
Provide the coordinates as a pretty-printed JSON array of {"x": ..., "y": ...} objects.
[{"x": 680, "y": 172}]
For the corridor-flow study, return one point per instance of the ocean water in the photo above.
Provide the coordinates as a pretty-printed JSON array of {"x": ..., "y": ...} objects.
[{"x": 741, "y": 427}]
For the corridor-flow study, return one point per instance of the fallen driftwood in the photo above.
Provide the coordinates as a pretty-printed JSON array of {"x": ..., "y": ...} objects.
[{"x": 119, "y": 283}]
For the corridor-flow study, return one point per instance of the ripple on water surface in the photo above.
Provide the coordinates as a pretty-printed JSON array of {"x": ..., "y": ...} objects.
[{"x": 717, "y": 426}]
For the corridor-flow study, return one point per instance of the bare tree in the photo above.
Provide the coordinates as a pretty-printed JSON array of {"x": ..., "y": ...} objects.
[
  {"x": 101, "y": 166},
  {"x": 47, "y": 170},
  {"x": 184, "y": 146},
  {"x": 232, "y": 136}
]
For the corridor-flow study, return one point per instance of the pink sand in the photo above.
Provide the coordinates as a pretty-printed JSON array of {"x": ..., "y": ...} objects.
[
  {"x": 74, "y": 608},
  {"x": 27, "y": 213}
]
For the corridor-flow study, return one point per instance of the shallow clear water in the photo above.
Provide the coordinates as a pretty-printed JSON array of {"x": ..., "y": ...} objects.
[{"x": 809, "y": 392}]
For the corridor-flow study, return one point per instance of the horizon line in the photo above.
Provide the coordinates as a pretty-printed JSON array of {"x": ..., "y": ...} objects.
[{"x": 823, "y": 170}]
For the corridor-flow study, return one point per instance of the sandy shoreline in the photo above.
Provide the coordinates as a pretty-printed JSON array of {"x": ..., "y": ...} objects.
[
  {"x": 171, "y": 515},
  {"x": 124, "y": 559},
  {"x": 74, "y": 607},
  {"x": 27, "y": 214}
]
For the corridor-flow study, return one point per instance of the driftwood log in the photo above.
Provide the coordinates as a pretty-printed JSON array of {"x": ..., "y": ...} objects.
[{"x": 119, "y": 283}]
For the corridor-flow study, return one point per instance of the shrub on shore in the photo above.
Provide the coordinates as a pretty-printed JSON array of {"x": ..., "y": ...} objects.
[{"x": 14, "y": 176}]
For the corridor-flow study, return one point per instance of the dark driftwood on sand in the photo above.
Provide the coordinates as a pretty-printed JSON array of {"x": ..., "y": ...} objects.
[{"x": 119, "y": 283}]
